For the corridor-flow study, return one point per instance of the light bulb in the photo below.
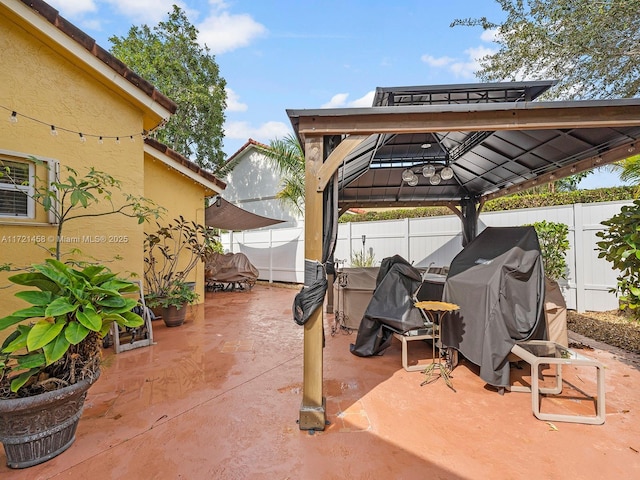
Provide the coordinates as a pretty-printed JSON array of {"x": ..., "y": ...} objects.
[
  {"x": 117, "y": 140},
  {"x": 14, "y": 117},
  {"x": 446, "y": 173},
  {"x": 100, "y": 141},
  {"x": 435, "y": 179},
  {"x": 83, "y": 139},
  {"x": 54, "y": 132},
  {"x": 428, "y": 170},
  {"x": 414, "y": 181},
  {"x": 407, "y": 175}
]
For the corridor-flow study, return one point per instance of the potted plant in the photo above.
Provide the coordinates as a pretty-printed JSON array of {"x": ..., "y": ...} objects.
[
  {"x": 52, "y": 355},
  {"x": 71, "y": 310},
  {"x": 171, "y": 253},
  {"x": 174, "y": 302}
]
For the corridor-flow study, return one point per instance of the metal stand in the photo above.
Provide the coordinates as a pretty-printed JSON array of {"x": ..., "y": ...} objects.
[
  {"x": 138, "y": 337},
  {"x": 442, "y": 369}
]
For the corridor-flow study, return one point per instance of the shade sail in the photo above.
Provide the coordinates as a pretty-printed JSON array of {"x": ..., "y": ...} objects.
[{"x": 229, "y": 217}]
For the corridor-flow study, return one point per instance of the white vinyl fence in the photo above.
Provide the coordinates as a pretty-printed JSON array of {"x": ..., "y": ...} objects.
[{"x": 279, "y": 253}]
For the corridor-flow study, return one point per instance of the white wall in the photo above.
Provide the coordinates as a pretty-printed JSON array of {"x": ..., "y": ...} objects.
[
  {"x": 279, "y": 254},
  {"x": 252, "y": 186}
]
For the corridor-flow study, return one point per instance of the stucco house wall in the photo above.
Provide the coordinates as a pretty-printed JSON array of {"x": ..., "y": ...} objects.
[{"x": 52, "y": 75}]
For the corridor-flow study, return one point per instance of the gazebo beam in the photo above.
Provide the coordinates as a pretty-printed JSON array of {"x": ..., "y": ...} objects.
[
  {"x": 313, "y": 410},
  {"x": 420, "y": 119}
]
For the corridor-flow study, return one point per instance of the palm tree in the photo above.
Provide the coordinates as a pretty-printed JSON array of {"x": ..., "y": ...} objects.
[
  {"x": 629, "y": 171},
  {"x": 287, "y": 157}
]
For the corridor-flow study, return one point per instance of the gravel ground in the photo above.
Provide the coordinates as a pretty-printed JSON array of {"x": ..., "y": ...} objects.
[{"x": 612, "y": 328}]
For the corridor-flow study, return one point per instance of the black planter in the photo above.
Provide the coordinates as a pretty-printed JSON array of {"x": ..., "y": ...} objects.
[{"x": 36, "y": 429}]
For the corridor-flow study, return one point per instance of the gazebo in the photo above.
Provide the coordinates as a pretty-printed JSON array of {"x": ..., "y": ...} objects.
[{"x": 451, "y": 145}]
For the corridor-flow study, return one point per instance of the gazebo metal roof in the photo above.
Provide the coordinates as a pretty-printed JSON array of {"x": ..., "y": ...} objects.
[{"x": 496, "y": 137}]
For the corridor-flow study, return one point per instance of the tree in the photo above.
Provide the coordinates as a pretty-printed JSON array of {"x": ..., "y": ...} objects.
[
  {"x": 630, "y": 171},
  {"x": 591, "y": 47},
  {"x": 287, "y": 157},
  {"x": 170, "y": 57},
  {"x": 620, "y": 245},
  {"x": 76, "y": 197}
]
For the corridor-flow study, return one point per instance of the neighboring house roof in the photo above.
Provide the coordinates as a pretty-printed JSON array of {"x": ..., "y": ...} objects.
[
  {"x": 247, "y": 144},
  {"x": 84, "y": 52},
  {"x": 183, "y": 165}
]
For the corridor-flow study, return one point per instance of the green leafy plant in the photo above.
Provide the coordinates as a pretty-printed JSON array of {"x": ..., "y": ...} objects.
[
  {"x": 179, "y": 295},
  {"x": 620, "y": 245},
  {"x": 171, "y": 253},
  {"x": 554, "y": 243},
  {"x": 70, "y": 312}
]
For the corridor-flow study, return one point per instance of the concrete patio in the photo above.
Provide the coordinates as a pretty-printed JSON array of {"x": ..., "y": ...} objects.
[{"x": 218, "y": 398}]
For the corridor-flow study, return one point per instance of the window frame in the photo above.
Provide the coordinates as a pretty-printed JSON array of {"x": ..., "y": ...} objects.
[
  {"x": 52, "y": 166},
  {"x": 28, "y": 190}
]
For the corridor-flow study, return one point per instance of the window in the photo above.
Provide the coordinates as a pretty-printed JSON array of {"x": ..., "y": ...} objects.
[{"x": 16, "y": 186}]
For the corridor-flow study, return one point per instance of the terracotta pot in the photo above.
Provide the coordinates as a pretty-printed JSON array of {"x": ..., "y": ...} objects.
[
  {"x": 174, "y": 317},
  {"x": 36, "y": 429},
  {"x": 157, "y": 312}
]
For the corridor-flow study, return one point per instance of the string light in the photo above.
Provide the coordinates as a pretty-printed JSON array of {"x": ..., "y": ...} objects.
[{"x": 54, "y": 130}]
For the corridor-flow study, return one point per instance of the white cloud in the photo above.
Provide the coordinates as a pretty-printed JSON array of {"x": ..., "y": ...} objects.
[
  {"x": 364, "y": 101},
  {"x": 436, "y": 62},
  {"x": 264, "y": 133},
  {"x": 338, "y": 100},
  {"x": 233, "y": 102},
  {"x": 224, "y": 32},
  {"x": 149, "y": 12},
  {"x": 73, "y": 8},
  {"x": 468, "y": 68},
  {"x": 460, "y": 68},
  {"x": 492, "y": 35}
]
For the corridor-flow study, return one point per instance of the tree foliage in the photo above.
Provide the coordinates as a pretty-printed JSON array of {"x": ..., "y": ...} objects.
[
  {"x": 287, "y": 157},
  {"x": 170, "y": 57},
  {"x": 620, "y": 245},
  {"x": 591, "y": 47}
]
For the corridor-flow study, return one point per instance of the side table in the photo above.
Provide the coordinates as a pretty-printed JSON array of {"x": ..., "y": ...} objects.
[{"x": 542, "y": 352}]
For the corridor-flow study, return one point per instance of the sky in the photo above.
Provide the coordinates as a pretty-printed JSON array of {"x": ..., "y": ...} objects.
[{"x": 304, "y": 54}]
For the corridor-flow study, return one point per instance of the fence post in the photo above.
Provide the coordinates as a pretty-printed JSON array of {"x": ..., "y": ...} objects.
[
  {"x": 578, "y": 232},
  {"x": 407, "y": 240},
  {"x": 270, "y": 256}
]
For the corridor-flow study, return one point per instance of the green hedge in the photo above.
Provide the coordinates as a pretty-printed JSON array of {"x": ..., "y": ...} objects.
[{"x": 512, "y": 202}]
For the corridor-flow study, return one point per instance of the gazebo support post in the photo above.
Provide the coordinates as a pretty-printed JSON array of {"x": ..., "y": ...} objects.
[
  {"x": 468, "y": 212},
  {"x": 313, "y": 408}
]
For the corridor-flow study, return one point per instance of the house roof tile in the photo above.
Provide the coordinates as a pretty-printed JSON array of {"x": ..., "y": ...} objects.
[{"x": 161, "y": 147}]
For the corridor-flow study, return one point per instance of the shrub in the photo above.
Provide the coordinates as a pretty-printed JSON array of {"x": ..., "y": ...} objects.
[
  {"x": 620, "y": 245},
  {"x": 554, "y": 243}
]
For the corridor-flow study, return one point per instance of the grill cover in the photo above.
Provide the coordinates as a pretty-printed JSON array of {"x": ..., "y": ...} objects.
[{"x": 498, "y": 282}]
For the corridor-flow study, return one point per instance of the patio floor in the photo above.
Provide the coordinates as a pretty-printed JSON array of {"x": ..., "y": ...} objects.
[{"x": 218, "y": 398}]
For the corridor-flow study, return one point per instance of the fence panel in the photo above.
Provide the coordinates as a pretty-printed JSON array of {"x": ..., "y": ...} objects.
[{"x": 279, "y": 253}]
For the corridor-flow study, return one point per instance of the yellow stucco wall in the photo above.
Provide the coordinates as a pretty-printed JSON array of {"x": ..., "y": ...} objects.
[
  {"x": 37, "y": 82},
  {"x": 181, "y": 196}
]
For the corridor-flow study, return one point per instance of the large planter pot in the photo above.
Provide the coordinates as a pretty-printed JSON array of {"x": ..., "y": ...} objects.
[
  {"x": 173, "y": 316},
  {"x": 36, "y": 429}
]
